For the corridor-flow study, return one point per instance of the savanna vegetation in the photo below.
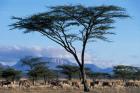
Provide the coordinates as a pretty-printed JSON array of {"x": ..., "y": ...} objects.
[
  {"x": 38, "y": 69},
  {"x": 69, "y": 75},
  {"x": 69, "y": 25}
]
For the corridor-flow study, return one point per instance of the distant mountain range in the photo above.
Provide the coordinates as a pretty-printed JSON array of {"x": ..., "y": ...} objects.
[
  {"x": 95, "y": 68},
  {"x": 3, "y": 66},
  {"x": 53, "y": 62}
]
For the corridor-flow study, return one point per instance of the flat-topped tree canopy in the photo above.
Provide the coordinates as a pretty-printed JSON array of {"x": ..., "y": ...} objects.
[
  {"x": 58, "y": 22},
  {"x": 71, "y": 23}
]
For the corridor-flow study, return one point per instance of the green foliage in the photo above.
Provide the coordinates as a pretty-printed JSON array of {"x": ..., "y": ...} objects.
[
  {"x": 74, "y": 71},
  {"x": 68, "y": 70},
  {"x": 137, "y": 74},
  {"x": 11, "y": 74},
  {"x": 38, "y": 68},
  {"x": 41, "y": 71},
  {"x": 100, "y": 75},
  {"x": 93, "y": 21},
  {"x": 1, "y": 69},
  {"x": 124, "y": 72},
  {"x": 31, "y": 62}
]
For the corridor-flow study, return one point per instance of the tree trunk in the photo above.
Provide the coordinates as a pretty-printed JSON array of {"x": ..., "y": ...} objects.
[
  {"x": 33, "y": 81},
  {"x": 13, "y": 79},
  {"x": 80, "y": 76},
  {"x": 45, "y": 81},
  {"x": 84, "y": 81},
  {"x": 57, "y": 76},
  {"x": 69, "y": 77}
]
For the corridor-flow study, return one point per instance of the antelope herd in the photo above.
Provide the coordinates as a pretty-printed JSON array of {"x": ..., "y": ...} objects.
[{"x": 73, "y": 84}]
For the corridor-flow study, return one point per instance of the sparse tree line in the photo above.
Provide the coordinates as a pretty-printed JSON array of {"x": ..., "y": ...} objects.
[{"x": 38, "y": 69}]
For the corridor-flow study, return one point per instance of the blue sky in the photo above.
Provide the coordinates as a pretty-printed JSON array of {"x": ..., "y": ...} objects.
[{"x": 123, "y": 50}]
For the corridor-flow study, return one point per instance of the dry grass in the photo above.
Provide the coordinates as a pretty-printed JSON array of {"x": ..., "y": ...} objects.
[{"x": 97, "y": 90}]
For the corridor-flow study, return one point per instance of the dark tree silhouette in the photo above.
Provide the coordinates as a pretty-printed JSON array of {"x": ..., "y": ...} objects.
[
  {"x": 136, "y": 75},
  {"x": 31, "y": 62},
  {"x": 37, "y": 67},
  {"x": 68, "y": 70},
  {"x": 124, "y": 72},
  {"x": 43, "y": 71},
  {"x": 39, "y": 71},
  {"x": 11, "y": 74},
  {"x": 1, "y": 70},
  {"x": 69, "y": 25}
]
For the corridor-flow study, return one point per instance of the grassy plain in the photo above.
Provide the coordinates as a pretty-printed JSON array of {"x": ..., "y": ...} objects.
[{"x": 96, "y": 90}]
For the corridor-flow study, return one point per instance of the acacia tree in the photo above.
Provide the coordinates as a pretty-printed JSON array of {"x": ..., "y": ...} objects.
[
  {"x": 11, "y": 74},
  {"x": 43, "y": 71},
  {"x": 36, "y": 67},
  {"x": 136, "y": 75},
  {"x": 68, "y": 25},
  {"x": 31, "y": 62},
  {"x": 39, "y": 71},
  {"x": 125, "y": 72},
  {"x": 68, "y": 70}
]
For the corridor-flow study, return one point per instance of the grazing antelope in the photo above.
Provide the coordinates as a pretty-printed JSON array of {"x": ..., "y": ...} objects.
[
  {"x": 2, "y": 83},
  {"x": 24, "y": 83}
]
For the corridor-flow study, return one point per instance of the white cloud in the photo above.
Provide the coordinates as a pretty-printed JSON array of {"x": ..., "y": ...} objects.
[{"x": 9, "y": 55}]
